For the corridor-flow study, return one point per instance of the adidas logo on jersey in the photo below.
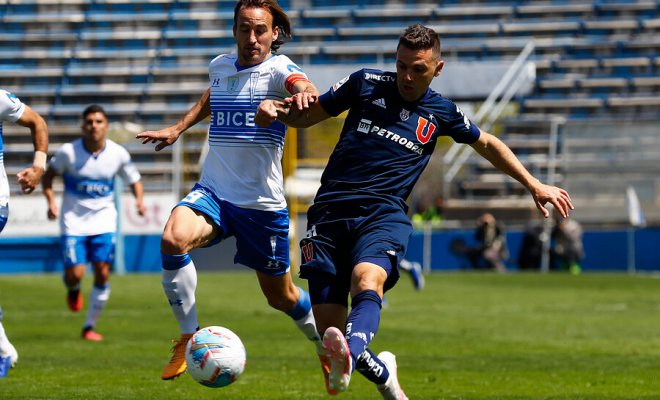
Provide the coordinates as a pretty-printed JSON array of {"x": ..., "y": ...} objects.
[{"x": 380, "y": 103}]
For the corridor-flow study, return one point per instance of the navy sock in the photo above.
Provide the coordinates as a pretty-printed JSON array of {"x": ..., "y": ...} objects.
[
  {"x": 362, "y": 322},
  {"x": 372, "y": 368}
]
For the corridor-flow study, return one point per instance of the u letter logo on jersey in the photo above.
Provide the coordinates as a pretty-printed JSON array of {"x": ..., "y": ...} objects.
[
  {"x": 307, "y": 250},
  {"x": 424, "y": 125}
]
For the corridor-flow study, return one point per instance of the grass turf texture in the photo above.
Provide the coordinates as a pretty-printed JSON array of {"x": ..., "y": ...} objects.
[{"x": 466, "y": 336}]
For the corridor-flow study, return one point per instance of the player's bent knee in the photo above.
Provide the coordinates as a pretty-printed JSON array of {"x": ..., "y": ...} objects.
[{"x": 175, "y": 242}]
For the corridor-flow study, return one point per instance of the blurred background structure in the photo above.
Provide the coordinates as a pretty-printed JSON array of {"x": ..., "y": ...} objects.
[{"x": 570, "y": 86}]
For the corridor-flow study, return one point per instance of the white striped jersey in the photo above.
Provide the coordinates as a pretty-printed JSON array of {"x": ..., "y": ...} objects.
[
  {"x": 88, "y": 206},
  {"x": 244, "y": 163},
  {"x": 11, "y": 109}
]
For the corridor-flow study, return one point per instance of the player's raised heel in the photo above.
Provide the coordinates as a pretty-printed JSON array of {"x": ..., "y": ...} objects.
[
  {"x": 325, "y": 368},
  {"x": 390, "y": 390},
  {"x": 177, "y": 364},
  {"x": 339, "y": 356}
]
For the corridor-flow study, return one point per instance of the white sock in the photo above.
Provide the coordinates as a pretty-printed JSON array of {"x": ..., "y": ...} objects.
[
  {"x": 97, "y": 299},
  {"x": 406, "y": 265},
  {"x": 179, "y": 286},
  {"x": 307, "y": 326},
  {"x": 4, "y": 342}
]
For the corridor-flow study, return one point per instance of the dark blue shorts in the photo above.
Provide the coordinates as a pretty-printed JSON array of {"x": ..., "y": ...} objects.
[
  {"x": 262, "y": 237},
  {"x": 341, "y": 236}
]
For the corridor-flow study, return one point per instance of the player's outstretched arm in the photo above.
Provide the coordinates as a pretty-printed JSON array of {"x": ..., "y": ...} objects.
[
  {"x": 30, "y": 177},
  {"x": 168, "y": 136},
  {"x": 501, "y": 156},
  {"x": 288, "y": 112},
  {"x": 47, "y": 188}
]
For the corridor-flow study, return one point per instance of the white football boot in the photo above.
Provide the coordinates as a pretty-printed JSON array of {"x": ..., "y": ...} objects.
[{"x": 391, "y": 390}]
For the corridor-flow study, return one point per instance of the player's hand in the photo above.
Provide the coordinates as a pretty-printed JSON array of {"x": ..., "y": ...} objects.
[
  {"x": 166, "y": 137},
  {"x": 29, "y": 178},
  {"x": 301, "y": 101},
  {"x": 558, "y": 197},
  {"x": 267, "y": 112},
  {"x": 140, "y": 208},
  {"x": 53, "y": 212}
]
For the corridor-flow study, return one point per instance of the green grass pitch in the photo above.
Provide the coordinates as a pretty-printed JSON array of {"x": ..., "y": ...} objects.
[{"x": 466, "y": 336}]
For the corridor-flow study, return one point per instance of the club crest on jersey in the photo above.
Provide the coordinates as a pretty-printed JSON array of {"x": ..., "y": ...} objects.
[
  {"x": 404, "y": 114},
  {"x": 307, "y": 249},
  {"x": 425, "y": 129},
  {"x": 232, "y": 84}
]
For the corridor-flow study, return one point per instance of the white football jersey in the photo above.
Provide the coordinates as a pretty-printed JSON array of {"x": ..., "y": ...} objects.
[
  {"x": 11, "y": 109},
  {"x": 88, "y": 206},
  {"x": 244, "y": 163}
]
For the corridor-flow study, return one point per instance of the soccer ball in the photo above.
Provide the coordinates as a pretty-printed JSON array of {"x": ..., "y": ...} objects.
[{"x": 215, "y": 356}]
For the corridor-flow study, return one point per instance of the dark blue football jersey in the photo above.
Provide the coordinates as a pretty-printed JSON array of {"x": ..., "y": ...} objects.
[{"x": 386, "y": 142}]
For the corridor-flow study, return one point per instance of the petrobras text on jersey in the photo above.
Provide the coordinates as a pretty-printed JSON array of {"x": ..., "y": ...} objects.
[
  {"x": 365, "y": 126},
  {"x": 233, "y": 118}
]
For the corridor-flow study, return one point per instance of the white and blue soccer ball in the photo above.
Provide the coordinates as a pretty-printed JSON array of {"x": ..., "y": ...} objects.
[{"x": 215, "y": 356}]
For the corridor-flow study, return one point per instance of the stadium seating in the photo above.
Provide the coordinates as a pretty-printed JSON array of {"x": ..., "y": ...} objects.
[{"x": 146, "y": 62}]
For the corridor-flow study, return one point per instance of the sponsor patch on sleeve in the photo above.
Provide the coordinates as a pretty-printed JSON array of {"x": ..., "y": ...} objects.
[{"x": 339, "y": 83}]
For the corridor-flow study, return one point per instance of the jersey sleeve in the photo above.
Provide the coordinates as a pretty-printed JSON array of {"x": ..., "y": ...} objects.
[
  {"x": 287, "y": 74},
  {"x": 459, "y": 127},
  {"x": 11, "y": 108},
  {"x": 128, "y": 171},
  {"x": 59, "y": 161},
  {"x": 342, "y": 94}
]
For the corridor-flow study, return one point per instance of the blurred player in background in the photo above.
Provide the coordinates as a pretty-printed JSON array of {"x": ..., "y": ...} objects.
[
  {"x": 240, "y": 191},
  {"x": 357, "y": 227},
  {"x": 13, "y": 110},
  {"x": 414, "y": 269},
  {"x": 88, "y": 218}
]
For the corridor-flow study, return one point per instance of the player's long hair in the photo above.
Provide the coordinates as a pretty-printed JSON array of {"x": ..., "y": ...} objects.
[
  {"x": 280, "y": 19},
  {"x": 419, "y": 37}
]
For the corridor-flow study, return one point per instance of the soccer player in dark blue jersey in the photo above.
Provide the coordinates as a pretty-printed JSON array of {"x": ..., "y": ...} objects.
[{"x": 357, "y": 227}]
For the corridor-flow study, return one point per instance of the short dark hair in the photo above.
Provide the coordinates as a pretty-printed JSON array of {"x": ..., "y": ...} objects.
[
  {"x": 94, "y": 108},
  {"x": 280, "y": 19},
  {"x": 419, "y": 37}
]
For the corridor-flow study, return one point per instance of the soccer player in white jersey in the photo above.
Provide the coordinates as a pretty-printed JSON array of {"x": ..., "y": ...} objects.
[
  {"x": 13, "y": 110},
  {"x": 240, "y": 191},
  {"x": 88, "y": 217}
]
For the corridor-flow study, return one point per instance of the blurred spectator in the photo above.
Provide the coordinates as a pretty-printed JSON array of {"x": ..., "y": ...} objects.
[
  {"x": 567, "y": 250},
  {"x": 431, "y": 213},
  {"x": 491, "y": 251},
  {"x": 529, "y": 257}
]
